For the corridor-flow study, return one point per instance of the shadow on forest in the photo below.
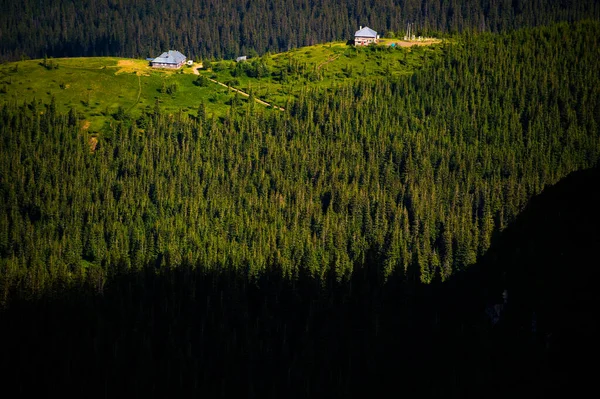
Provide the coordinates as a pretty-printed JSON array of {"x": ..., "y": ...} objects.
[{"x": 219, "y": 334}]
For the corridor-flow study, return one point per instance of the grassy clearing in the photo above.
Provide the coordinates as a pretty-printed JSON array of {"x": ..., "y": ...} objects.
[
  {"x": 98, "y": 87},
  {"x": 280, "y": 77}
]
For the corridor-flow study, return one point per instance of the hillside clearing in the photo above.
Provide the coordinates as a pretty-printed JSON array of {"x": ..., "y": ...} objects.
[
  {"x": 139, "y": 67},
  {"x": 104, "y": 88},
  {"x": 281, "y": 77}
]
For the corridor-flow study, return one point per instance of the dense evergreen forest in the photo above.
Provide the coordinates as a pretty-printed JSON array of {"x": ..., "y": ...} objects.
[
  {"x": 425, "y": 234},
  {"x": 226, "y": 29},
  {"x": 411, "y": 174},
  {"x": 203, "y": 333}
]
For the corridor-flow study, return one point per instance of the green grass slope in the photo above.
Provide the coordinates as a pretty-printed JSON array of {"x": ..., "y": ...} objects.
[
  {"x": 280, "y": 77},
  {"x": 99, "y": 88}
]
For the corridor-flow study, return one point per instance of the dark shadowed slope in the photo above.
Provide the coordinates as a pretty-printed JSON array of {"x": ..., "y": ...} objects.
[
  {"x": 546, "y": 265},
  {"x": 219, "y": 335},
  {"x": 549, "y": 258},
  {"x": 552, "y": 268}
]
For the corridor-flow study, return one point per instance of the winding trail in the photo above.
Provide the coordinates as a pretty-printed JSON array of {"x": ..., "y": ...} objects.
[
  {"x": 195, "y": 68},
  {"x": 331, "y": 59},
  {"x": 139, "y": 93},
  {"x": 258, "y": 100}
]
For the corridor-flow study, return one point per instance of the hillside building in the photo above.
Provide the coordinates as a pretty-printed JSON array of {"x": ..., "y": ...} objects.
[
  {"x": 171, "y": 59},
  {"x": 365, "y": 36}
]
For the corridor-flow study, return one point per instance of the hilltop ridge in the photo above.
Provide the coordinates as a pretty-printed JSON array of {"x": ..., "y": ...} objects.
[{"x": 104, "y": 89}]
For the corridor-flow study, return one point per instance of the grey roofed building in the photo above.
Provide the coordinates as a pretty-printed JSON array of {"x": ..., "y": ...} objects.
[
  {"x": 365, "y": 36},
  {"x": 241, "y": 58},
  {"x": 169, "y": 59},
  {"x": 366, "y": 32}
]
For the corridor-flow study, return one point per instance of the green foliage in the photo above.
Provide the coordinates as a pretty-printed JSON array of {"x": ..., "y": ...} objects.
[
  {"x": 347, "y": 70},
  {"x": 232, "y": 82},
  {"x": 49, "y": 64},
  {"x": 280, "y": 77},
  {"x": 406, "y": 173},
  {"x": 93, "y": 84},
  {"x": 257, "y": 68},
  {"x": 201, "y": 112},
  {"x": 169, "y": 88},
  {"x": 202, "y": 81},
  {"x": 142, "y": 28},
  {"x": 120, "y": 115},
  {"x": 172, "y": 88}
]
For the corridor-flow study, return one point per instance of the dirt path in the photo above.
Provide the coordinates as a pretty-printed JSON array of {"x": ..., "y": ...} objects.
[
  {"x": 195, "y": 67},
  {"x": 247, "y": 95},
  {"x": 139, "y": 94},
  {"x": 331, "y": 59}
]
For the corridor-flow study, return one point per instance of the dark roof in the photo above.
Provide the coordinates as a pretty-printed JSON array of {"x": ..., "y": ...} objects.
[
  {"x": 170, "y": 57},
  {"x": 366, "y": 32}
]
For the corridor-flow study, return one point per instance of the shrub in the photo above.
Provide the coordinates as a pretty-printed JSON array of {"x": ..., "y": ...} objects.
[{"x": 201, "y": 81}]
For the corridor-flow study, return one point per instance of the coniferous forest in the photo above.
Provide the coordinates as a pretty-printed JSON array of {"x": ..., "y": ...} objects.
[
  {"x": 228, "y": 28},
  {"x": 425, "y": 234}
]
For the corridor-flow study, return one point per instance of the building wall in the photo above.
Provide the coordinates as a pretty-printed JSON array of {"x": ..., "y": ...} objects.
[
  {"x": 170, "y": 66},
  {"x": 364, "y": 41}
]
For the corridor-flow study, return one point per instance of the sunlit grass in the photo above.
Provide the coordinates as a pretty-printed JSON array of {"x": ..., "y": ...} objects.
[{"x": 97, "y": 87}]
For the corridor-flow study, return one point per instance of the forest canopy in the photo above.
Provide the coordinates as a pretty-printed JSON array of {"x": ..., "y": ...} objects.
[
  {"x": 409, "y": 220},
  {"x": 227, "y": 29},
  {"x": 413, "y": 174}
]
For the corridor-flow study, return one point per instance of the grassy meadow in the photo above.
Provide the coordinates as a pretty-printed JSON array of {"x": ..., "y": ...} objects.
[
  {"x": 97, "y": 88},
  {"x": 284, "y": 75}
]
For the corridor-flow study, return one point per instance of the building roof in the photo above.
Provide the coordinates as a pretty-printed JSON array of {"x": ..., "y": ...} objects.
[
  {"x": 170, "y": 57},
  {"x": 366, "y": 32},
  {"x": 241, "y": 58}
]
